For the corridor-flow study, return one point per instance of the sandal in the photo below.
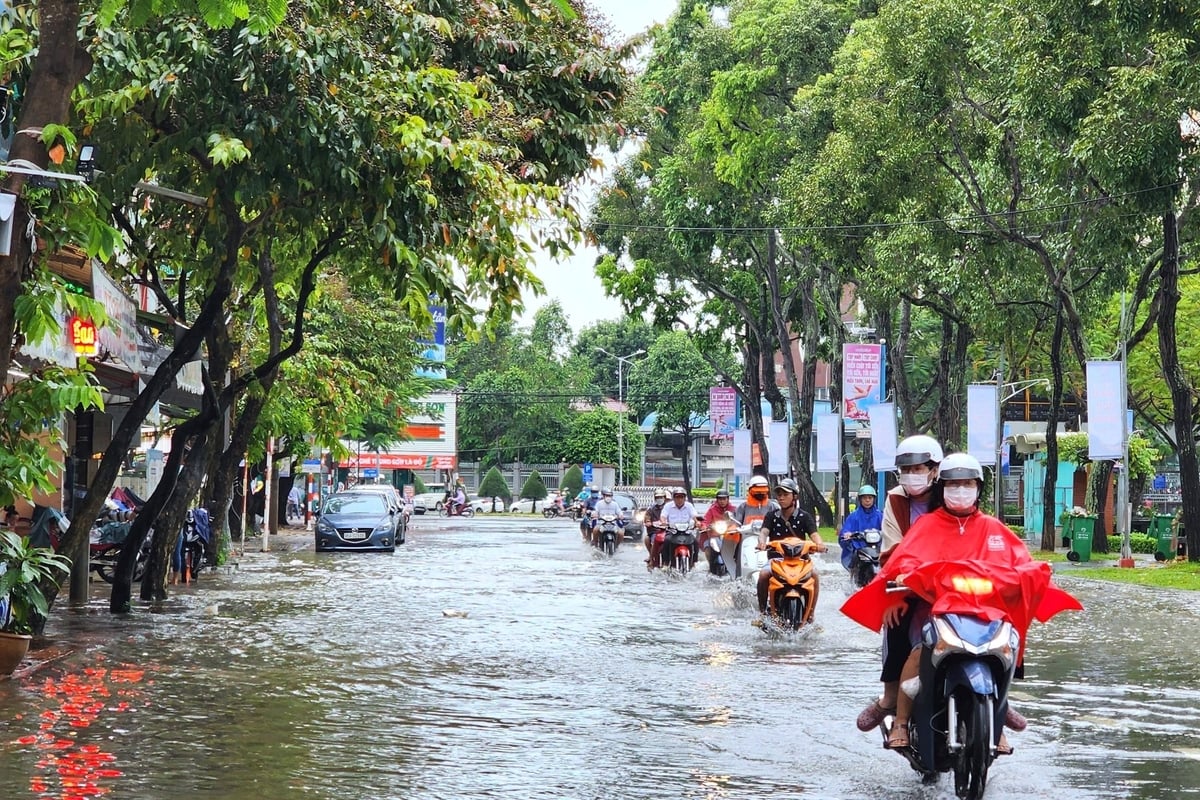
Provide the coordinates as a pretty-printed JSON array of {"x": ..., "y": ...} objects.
[
  {"x": 872, "y": 716},
  {"x": 1003, "y": 748},
  {"x": 898, "y": 737}
]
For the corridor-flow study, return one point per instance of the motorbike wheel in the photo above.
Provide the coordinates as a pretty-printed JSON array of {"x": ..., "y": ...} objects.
[
  {"x": 863, "y": 574},
  {"x": 793, "y": 612},
  {"x": 975, "y": 733},
  {"x": 547, "y": 513},
  {"x": 683, "y": 564},
  {"x": 467, "y": 512},
  {"x": 610, "y": 547}
]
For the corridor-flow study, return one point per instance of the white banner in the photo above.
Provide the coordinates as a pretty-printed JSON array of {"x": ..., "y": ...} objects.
[
  {"x": 777, "y": 447},
  {"x": 1106, "y": 410},
  {"x": 982, "y": 411},
  {"x": 741, "y": 451},
  {"x": 829, "y": 442},
  {"x": 883, "y": 436}
]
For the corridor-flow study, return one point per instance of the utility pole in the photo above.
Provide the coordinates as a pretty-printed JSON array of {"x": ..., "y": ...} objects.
[{"x": 621, "y": 401}]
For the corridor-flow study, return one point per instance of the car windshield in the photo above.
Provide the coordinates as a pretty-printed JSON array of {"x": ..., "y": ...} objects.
[
  {"x": 356, "y": 504},
  {"x": 626, "y": 502}
]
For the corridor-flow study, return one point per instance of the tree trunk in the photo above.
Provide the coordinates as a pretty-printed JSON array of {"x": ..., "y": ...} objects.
[
  {"x": 897, "y": 375},
  {"x": 1101, "y": 479},
  {"x": 1183, "y": 401},
  {"x": 170, "y": 521},
  {"x": 130, "y": 427},
  {"x": 1049, "y": 518},
  {"x": 60, "y": 64}
]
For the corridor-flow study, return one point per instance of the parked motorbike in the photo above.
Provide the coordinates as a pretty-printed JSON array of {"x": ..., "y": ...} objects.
[
  {"x": 792, "y": 586},
  {"x": 192, "y": 548},
  {"x": 553, "y": 510},
  {"x": 967, "y": 666},
  {"x": 609, "y": 532},
  {"x": 860, "y": 555},
  {"x": 104, "y": 546}
]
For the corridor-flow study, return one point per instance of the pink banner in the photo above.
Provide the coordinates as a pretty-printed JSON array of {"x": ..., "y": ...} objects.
[
  {"x": 862, "y": 365},
  {"x": 722, "y": 411},
  {"x": 399, "y": 461}
]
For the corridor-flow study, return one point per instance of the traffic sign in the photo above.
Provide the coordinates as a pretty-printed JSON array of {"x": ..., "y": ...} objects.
[
  {"x": 370, "y": 472},
  {"x": 587, "y": 472}
]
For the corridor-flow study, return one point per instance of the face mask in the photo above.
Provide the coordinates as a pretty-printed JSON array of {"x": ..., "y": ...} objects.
[
  {"x": 758, "y": 495},
  {"x": 915, "y": 484},
  {"x": 960, "y": 498}
]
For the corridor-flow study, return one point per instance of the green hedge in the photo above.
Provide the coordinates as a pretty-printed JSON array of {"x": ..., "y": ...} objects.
[
  {"x": 704, "y": 492},
  {"x": 1138, "y": 543}
]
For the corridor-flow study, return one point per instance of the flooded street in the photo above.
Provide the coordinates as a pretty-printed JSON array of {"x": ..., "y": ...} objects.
[{"x": 321, "y": 676}]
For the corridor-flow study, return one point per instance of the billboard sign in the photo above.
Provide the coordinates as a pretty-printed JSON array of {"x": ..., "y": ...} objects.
[
  {"x": 862, "y": 371},
  {"x": 722, "y": 412},
  {"x": 433, "y": 356}
]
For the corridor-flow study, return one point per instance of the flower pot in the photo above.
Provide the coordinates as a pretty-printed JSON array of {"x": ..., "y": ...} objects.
[{"x": 13, "y": 647}]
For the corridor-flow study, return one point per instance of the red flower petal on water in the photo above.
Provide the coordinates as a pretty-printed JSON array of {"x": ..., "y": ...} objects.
[
  {"x": 27, "y": 740},
  {"x": 109, "y": 773}
]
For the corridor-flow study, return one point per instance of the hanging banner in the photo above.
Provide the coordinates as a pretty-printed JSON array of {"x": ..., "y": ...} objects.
[
  {"x": 741, "y": 452},
  {"x": 862, "y": 368},
  {"x": 829, "y": 442},
  {"x": 777, "y": 444},
  {"x": 1106, "y": 410},
  {"x": 983, "y": 403},
  {"x": 722, "y": 412},
  {"x": 883, "y": 436},
  {"x": 433, "y": 356}
]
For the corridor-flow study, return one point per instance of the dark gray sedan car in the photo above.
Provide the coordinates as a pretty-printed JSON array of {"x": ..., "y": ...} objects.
[{"x": 357, "y": 521}]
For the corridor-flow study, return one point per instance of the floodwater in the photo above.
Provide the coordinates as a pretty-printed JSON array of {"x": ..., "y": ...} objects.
[{"x": 557, "y": 674}]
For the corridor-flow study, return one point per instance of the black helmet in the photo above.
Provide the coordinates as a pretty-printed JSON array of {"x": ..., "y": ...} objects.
[
  {"x": 788, "y": 485},
  {"x": 722, "y": 493}
]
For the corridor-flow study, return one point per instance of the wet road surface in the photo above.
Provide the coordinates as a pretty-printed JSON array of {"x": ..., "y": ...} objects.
[{"x": 304, "y": 675}]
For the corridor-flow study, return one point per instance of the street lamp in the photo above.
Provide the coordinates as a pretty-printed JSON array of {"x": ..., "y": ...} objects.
[{"x": 621, "y": 400}]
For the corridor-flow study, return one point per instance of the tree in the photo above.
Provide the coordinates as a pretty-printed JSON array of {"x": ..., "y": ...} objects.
[
  {"x": 593, "y": 437},
  {"x": 422, "y": 178},
  {"x": 534, "y": 489},
  {"x": 572, "y": 482},
  {"x": 493, "y": 486},
  {"x": 673, "y": 382}
]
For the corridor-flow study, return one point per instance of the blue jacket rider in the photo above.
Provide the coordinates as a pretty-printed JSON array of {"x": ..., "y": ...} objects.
[{"x": 866, "y": 517}]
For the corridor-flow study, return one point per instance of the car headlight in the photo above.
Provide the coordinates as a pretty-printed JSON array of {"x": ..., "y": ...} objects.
[{"x": 324, "y": 527}]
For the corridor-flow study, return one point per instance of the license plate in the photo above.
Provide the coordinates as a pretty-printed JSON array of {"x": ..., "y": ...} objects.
[{"x": 354, "y": 534}]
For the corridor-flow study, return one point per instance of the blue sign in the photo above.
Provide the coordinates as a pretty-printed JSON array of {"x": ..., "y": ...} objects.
[
  {"x": 1159, "y": 484},
  {"x": 587, "y": 472},
  {"x": 370, "y": 472},
  {"x": 311, "y": 465}
]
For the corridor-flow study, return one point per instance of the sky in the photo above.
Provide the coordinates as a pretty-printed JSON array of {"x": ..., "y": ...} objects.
[{"x": 571, "y": 281}]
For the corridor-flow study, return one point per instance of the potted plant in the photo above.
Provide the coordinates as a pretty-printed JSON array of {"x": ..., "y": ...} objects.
[{"x": 23, "y": 568}]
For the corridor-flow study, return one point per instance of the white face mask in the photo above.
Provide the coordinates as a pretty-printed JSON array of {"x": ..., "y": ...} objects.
[
  {"x": 914, "y": 483},
  {"x": 960, "y": 498}
]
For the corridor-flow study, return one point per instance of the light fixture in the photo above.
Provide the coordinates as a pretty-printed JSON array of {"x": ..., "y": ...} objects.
[{"x": 85, "y": 167}]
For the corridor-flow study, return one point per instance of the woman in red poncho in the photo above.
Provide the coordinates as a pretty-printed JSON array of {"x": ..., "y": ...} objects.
[{"x": 956, "y": 532}]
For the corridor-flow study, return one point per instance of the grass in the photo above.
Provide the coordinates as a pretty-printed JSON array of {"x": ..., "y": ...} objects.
[{"x": 1168, "y": 575}]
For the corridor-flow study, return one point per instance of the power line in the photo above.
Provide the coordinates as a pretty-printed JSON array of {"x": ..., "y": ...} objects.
[{"x": 869, "y": 226}]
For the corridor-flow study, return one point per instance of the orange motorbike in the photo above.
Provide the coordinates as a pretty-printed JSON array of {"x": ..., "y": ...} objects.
[{"x": 792, "y": 587}]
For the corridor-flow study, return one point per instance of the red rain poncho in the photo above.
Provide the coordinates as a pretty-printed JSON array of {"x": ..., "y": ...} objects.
[{"x": 965, "y": 565}]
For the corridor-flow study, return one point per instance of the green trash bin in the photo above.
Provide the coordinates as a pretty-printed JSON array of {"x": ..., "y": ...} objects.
[
  {"x": 1160, "y": 529},
  {"x": 1082, "y": 530}
]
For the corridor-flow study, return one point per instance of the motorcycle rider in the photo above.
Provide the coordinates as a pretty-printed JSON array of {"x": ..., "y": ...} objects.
[
  {"x": 459, "y": 501},
  {"x": 651, "y": 517},
  {"x": 607, "y": 507},
  {"x": 867, "y": 517},
  {"x": 679, "y": 510},
  {"x": 917, "y": 459},
  {"x": 589, "y": 505},
  {"x": 758, "y": 502},
  {"x": 786, "y": 520},
  {"x": 957, "y": 530},
  {"x": 720, "y": 509}
]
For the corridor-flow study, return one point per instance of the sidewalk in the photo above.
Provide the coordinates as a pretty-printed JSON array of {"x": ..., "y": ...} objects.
[{"x": 45, "y": 651}]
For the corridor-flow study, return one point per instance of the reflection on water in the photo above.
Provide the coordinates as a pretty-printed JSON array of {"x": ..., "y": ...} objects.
[{"x": 339, "y": 676}]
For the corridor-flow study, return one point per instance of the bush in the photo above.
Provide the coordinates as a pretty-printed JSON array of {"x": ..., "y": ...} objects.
[
  {"x": 572, "y": 482},
  {"x": 1138, "y": 543},
  {"x": 534, "y": 489},
  {"x": 494, "y": 485},
  {"x": 418, "y": 485},
  {"x": 1019, "y": 530},
  {"x": 704, "y": 492}
]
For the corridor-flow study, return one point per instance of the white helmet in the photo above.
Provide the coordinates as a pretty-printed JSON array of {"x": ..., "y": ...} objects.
[
  {"x": 960, "y": 467},
  {"x": 759, "y": 480},
  {"x": 920, "y": 449}
]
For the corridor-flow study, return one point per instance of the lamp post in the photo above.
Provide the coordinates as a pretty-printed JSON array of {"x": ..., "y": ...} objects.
[{"x": 621, "y": 417}]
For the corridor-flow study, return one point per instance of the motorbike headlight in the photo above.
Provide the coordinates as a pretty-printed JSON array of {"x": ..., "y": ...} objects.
[
  {"x": 720, "y": 526},
  {"x": 640, "y": 516},
  {"x": 872, "y": 537}
]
